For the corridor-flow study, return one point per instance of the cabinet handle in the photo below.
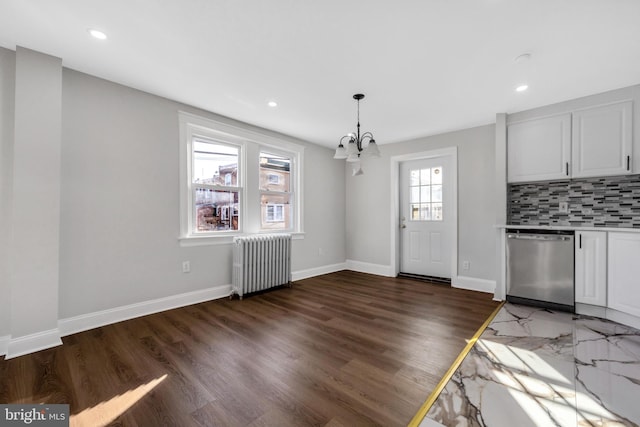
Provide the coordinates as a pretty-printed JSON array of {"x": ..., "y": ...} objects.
[
  {"x": 567, "y": 168},
  {"x": 628, "y": 163},
  {"x": 580, "y": 238}
]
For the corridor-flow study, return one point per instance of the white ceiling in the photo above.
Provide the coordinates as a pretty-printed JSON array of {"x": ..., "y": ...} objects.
[{"x": 426, "y": 66}]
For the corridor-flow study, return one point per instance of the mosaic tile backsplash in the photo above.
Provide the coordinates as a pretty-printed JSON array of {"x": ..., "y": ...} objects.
[{"x": 593, "y": 202}]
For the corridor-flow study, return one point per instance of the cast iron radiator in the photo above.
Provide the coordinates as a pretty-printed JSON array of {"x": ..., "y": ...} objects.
[{"x": 260, "y": 262}]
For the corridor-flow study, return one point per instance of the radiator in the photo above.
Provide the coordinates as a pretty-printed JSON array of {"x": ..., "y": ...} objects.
[{"x": 260, "y": 262}]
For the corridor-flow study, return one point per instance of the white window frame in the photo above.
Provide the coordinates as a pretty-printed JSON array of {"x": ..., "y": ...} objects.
[
  {"x": 205, "y": 136},
  {"x": 251, "y": 143}
]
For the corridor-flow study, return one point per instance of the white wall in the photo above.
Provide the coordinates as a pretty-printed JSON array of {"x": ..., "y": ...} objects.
[
  {"x": 369, "y": 198},
  {"x": 120, "y": 212},
  {"x": 7, "y": 99}
]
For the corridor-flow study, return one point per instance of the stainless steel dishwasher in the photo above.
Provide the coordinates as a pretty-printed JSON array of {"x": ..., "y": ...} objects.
[{"x": 540, "y": 268}]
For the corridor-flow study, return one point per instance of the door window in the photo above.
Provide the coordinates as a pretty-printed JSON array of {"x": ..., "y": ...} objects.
[{"x": 425, "y": 194}]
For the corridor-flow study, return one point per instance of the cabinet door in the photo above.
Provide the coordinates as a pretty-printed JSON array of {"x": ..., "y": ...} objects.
[
  {"x": 539, "y": 149},
  {"x": 623, "y": 278},
  {"x": 591, "y": 267},
  {"x": 601, "y": 141}
]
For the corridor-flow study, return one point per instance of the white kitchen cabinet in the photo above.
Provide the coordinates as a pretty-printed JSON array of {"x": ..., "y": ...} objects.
[
  {"x": 601, "y": 141},
  {"x": 539, "y": 149},
  {"x": 591, "y": 267},
  {"x": 623, "y": 278}
]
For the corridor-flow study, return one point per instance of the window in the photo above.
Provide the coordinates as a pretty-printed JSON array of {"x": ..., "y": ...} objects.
[
  {"x": 216, "y": 200},
  {"x": 275, "y": 191},
  {"x": 275, "y": 213},
  {"x": 425, "y": 186},
  {"x": 273, "y": 179},
  {"x": 236, "y": 180}
]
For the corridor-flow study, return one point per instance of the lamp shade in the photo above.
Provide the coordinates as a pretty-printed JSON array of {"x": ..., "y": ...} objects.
[
  {"x": 354, "y": 157},
  {"x": 352, "y": 148},
  {"x": 357, "y": 169},
  {"x": 341, "y": 152},
  {"x": 372, "y": 149}
]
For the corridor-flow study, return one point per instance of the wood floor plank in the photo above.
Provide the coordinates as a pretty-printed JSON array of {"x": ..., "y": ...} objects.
[{"x": 341, "y": 349}]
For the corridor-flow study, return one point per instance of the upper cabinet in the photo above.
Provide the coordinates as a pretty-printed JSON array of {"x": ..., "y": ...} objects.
[
  {"x": 585, "y": 143},
  {"x": 601, "y": 142},
  {"x": 539, "y": 150}
]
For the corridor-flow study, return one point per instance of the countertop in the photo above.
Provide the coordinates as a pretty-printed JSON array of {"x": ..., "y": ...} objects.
[{"x": 570, "y": 228}]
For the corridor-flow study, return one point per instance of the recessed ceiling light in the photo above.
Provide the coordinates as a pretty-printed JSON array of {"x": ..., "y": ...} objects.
[
  {"x": 522, "y": 88},
  {"x": 97, "y": 34},
  {"x": 272, "y": 104}
]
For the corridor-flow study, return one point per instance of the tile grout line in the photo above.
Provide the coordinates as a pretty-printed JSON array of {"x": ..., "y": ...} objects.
[{"x": 424, "y": 409}]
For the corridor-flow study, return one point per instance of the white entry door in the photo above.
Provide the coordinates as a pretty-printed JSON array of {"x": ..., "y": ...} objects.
[{"x": 426, "y": 217}]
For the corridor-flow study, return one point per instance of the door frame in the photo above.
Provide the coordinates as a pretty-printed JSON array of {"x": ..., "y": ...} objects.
[{"x": 395, "y": 204}]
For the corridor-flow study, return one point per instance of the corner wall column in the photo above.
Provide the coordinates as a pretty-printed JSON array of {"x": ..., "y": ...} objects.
[
  {"x": 501, "y": 204},
  {"x": 35, "y": 220}
]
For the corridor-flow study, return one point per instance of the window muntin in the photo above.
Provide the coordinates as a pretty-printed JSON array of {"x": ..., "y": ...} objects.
[
  {"x": 425, "y": 194},
  {"x": 276, "y": 194},
  {"x": 215, "y": 185}
]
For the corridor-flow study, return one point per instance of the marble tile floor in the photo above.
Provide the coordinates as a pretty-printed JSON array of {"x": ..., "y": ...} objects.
[{"x": 537, "y": 367}]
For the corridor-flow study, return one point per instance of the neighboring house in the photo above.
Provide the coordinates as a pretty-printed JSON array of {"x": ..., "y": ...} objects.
[
  {"x": 218, "y": 210},
  {"x": 275, "y": 185}
]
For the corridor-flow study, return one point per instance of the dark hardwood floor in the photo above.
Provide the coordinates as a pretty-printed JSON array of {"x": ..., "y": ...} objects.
[{"x": 343, "y": 349}]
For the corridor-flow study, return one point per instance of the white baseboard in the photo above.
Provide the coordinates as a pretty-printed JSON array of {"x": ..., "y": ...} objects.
[
  {"x": 591, "y": 310},
  {"x": 474, "y": 284},
  {"x": 32, "y": 343},
  {"x": 88, "y": 321},
  {"x": 317, "y": 271},
  {"x": 4, "y": 344},
  {"x": 624, "y": 318},
  {"x": 366, "y": 267}
]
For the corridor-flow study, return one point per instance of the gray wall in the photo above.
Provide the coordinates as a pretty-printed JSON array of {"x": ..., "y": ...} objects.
[
  {"x": 120, "y": 211},
  {"x": 34, "y": 245},
  {"x": 7, "y": 97},
  {"x": 369, "y": 197}
]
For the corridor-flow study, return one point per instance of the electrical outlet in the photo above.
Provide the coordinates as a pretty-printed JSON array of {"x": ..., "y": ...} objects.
[
  {"x": 320, "y": 252},
  {"x": 186, "y": 267},
  {"x": 564, "y": 207},
  {"x": 466, "y": 265}
]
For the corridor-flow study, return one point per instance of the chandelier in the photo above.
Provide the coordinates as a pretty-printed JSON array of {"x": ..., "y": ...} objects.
[{"x": 355, "y": 151}]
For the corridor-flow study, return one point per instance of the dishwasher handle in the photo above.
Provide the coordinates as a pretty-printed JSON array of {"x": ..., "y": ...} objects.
[{"x": 545, "y": 237}]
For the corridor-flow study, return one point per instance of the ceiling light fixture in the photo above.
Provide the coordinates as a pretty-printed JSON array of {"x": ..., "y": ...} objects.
[
  {"x": 97, "y": 34},
  {"x": 522, "y": 88},
  {"x": 355, "y": 150},
  {"x": 272, "y": 104}
]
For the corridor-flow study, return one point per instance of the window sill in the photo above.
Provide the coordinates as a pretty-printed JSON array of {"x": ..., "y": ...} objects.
[{"x": 188, "y": 241}]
